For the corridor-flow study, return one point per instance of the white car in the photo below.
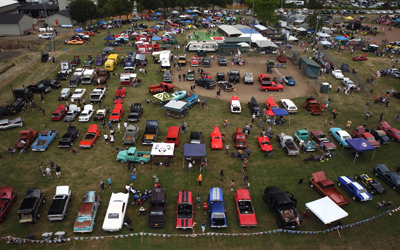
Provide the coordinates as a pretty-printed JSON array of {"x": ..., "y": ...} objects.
[
  {"x": 348, "y": 83},
  {"x": 7, "y": 124},
  {"x": 46, "y": 35},
  {"x": 116, "y": 212},
  {"x": 338, "y": 74},
  {"x": 87, "y": 113},
  {"x": 65, "y": 93},
  {"x": 78, "y": 93},
  {"x": 79, "y": 72},
  {"x": 289, "y": 106}
]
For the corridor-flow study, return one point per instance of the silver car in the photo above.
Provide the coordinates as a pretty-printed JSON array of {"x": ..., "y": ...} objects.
[{"x": 7, "y": 124}]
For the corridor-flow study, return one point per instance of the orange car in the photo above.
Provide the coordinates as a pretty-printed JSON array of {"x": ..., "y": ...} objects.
[{"x": 75, "y": 42}]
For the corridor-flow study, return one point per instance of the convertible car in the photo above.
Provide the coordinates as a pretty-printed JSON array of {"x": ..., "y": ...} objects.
[{"x": 245, "y": 209}]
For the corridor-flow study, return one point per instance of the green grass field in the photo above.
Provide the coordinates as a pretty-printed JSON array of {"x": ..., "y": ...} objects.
[{"x": 82, "y": 172}]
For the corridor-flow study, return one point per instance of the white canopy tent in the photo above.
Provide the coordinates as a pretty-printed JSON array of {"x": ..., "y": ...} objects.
[
  {"x": 161, "y": 149},
  {"x": 301, "y": 29},
  {"x": 326, "y": 210},
  {"x": 244, "y": 45},
  {"x": 292, "y": 38},
  {"x": 321, "y": 34},
  {"x": 325, "y": 43},
  {"x": 265, "y": 43},
  {"x": 254, "y": 37}
]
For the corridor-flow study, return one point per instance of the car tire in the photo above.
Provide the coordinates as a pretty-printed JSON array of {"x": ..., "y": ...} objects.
[
  {"x": 372, "y": 192},
  {"x": 376, "y": 174},
  {"x": 339, "y": 184},
  {"x": 142, "y": 162},
  {"x": 121, "y": 161}
]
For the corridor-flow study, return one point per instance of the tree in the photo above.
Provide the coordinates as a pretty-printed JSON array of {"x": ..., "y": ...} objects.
[
  {"x": 314, "y": 4},
  {"x": 312, "y": 21},
  {"x": 122, "y": 7},
  {"x": 150, "y": 4},
  {"x": 264, "y": 9},
  {"x": 82, "y": 10}
]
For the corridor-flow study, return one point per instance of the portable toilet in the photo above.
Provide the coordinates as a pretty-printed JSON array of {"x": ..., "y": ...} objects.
[{"x": 324, "y": 88}]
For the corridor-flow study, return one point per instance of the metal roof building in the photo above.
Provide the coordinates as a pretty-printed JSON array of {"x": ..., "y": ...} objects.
[{"x": 15, "y": 24}]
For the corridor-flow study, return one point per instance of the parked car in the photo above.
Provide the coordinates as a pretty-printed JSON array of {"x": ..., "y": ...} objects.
[
  {"x": 8, "y": 124},
  {"x": 277, "y": 80},
  {"x": 206, "y": 83},
  {"x": 392, "y": 133},
  {"x": 362, "y": 132},
  {"x": 390, "y": 177},
  {"x": 248, "y": 78},
  {"x": 78, "y": 94},
  {"x": 225, "y": 86},
  {"x": 264, "y": 143},
  {"x": 39, "y": 88},
  {"x": 245, "y": 209},
  {"x": 7, "y": 200},
  {"x": 373, "y": 185},
  {"x": 59, "y": 113},
  {"x": 281, "y": 58},
  {"x": 184, "y": 210},
  {"x": 360, "y": 58},
  {"x": 115, "y": 214},
  {"x": 271, "y": 86},
  {"x": 46, "y": 35},
  {"x": 337, "y": 74},
  {"x": 289, "y": 106},
  {"x": 289, "y": 80},
  {"x": 196, "y": 137},
  {"x": 319, "y": 137},
  {"x": 222, "y": 61},
  {"x": 158, "y": 202},
  {"x": 87, "y": 113},
  {"x": 51, "y": 83},
  {"x": 340, "y": 135},
  {"x": 217, "y": 139},
  {"x": 348, "y": 83},
  {"x": 84, "y": 222},
  {"x": 28, "y": 211},
  {"x": 254, "y": 106},
  {"x": 380, "y": 136},
  {"x": 67, "y": 140},
  {"x": 216, "y": 208},
  {"x": 190, "y": 75},
  {"x": 90, "y": 137},
  {"x": 355, "y": 189}
]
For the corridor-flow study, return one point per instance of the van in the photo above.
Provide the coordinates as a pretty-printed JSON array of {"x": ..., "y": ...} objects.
[{"x": 173, "y": 135}]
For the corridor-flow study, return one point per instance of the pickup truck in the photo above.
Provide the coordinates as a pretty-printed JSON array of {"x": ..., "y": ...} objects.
[
  {"x": 26, "y": 137},
  {"x": 67, "y": 140},
  {"x": 312, "y": 106},
  {"x": 288, "y": 145},
  {"x": 59, "y": 205},
  {"x": 135, "y": 113},
  {"x": 102, "y": 76},
  {"x": 74, "y": 81},
  {"x": 131, "y": 135},
  {"x": 216, "y": 208},
  {"x": 283, "y": 206},
  {"x": 66, "y": 69},
  {"x": 100, "y": 114},
  {"x": 150, "y": 132},
  {"x": 98, "y": 94},
  {"x": 327, "y": 188},
  {"x": 234, "y": 76},
  {"x": 29, "y": 209},
  {"x": 248, "y": 78},
  {"x": 302, "y": 136},
  {"x": 162, "y": 87},
  {"x": 182, "y": 60},
  {"x": 44, "y": 140},
  {"x": 132, "y": 155},
  {"x": 158, "y": 201}
]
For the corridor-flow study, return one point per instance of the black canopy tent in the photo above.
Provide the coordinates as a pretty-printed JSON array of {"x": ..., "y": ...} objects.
[{"x": 193, "y": 150}]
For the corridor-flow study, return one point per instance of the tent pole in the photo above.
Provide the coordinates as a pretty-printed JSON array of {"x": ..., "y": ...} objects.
[
  {"x": 373, "y": 155},
  {"x": 355, "y": 158}
]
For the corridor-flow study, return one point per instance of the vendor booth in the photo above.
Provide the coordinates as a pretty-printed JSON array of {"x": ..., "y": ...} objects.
[
  {"x": 361, "y": 145},
  {"x": 194, "y": 151},
  {"x": 165, "y": 150}
]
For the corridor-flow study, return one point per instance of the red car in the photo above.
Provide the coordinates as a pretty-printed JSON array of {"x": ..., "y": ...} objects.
[
  {"x": 245, "y": 209},
  {"x": 281, "y": 58},
  {"x": 361, "y": 132},
  {"x": 184, "y": 210},
  {"x": 59, "y": 114},
  {"x": 319, "y": 137},
  {"x": 239, "y": 138},
  {"x": 118, "y": 100},
  {"x": 217, "y": 139},
  {"x": 7, "y": 200},
  {"x": 360, "y": 58},
  {"x": 393, "y": 133},
  {"x": 270, "y": 104},
  {"x": 206, "y": 75},
  {"x": 264, "y": 78},
  {"x": 271, "y": 86},
  {"x": 121, "y": 91},
  {"x": 265, "y": 144},
  {"x": 195, "y": 61},
  {"x": 90, "y": 137},
  {"x": 116, "y": 114}
]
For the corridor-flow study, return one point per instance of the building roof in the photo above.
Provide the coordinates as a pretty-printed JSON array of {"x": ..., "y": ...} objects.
[
  {"x": 52, "y": 7},
  {"x": 63, "y": 13},
  {"x": 10, "y": 18},
  {"x": 5, "y": 3},
  {"x": 260, "y": 27},
  {"x": 310, "y": 62},
  {"x": 230, "y": 30}
]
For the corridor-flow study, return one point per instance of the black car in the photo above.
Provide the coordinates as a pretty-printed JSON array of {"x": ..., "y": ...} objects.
[
  {"x": 225, "y": 86},
  {"x": 380, "y": 136},
  {"x": 67, "y": 140},
  {"x": 51, "y": 83},
  {"x": 158, "y": 202},
  {"x": 220, "y": 76},
  {"x": 39, "y": 88},
  {"x": 374, "y": 186},
  {"x": 206, "y": 62},
  {"x": 234, "y": 76},
  {"x": 135, "y": 113},
  {"x": 254, "y": 107},
  {"x": 196, "y": 137},
  {"x": 206, "y": 83},
  {"x": 76, "y": 61},
  {"x": 62, "y": 75},
  {"x": 390, "y": 177}
]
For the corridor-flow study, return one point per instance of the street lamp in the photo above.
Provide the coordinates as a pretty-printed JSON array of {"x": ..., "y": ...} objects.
[
  {"x": 251, "y": 26},
  {"x": 47, "y": 22}
]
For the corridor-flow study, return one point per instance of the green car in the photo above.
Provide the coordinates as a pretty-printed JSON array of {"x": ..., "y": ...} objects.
[
  {"x": 304, "y": 136},
  {"x": 190, "y": 75},
  {"x": 132, "y": 155}
]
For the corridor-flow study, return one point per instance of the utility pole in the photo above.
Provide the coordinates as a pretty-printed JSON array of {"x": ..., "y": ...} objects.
[{"x": 47, "y": 22}]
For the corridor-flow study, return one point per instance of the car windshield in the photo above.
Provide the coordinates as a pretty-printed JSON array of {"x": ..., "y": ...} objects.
[
  {"x": 345, "y": 137},
  {"x": 218, "y": 215},
  {"x": 156, "y": 213},
  {"x": 361, "y": 191},
  {"x": 113, "y": 215}
]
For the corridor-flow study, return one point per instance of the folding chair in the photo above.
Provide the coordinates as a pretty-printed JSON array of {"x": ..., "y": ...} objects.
[{"x": 133, "y": 177}]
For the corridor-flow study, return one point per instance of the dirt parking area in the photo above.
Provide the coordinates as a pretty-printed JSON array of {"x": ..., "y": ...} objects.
[{"x": 256, "y": 65}]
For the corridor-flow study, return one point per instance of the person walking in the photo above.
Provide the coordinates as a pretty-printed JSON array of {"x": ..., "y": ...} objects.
[
  {"x": 109, "y": 182},
  {"x": 221, "y": 175},
  {"x": 58, "y": 171},
  {"x": 245, "y": 179},
  {"x": 198, "y": 201},
  {"x": 381, "y": 117},
  {"x": 227, "y": 148},
  {"x": 106, "y": 138},
  {"x": 366, "y": 115},
  {"x": 104, "y": 123},
  {"x": 42, "y": 169},
  {"x": 109, "y": 125},
  {"x": 232, "y": 184},
  {"x": 42, "y": 97},
  {"x": 101, "y": 183},
  {"x": 200, "y": 178},
  {"x": 43, "y": 112}
]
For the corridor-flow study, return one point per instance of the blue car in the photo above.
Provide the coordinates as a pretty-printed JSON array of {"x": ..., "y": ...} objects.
[
  {"x": 289, "y": 80},
  {"x": 355, "y": 189},
  {"x": 191, "y": 100},
  {"x": 84, "y": 222},
  {"x": 216, "y": 208},
  {"x": 44, "y": 140},
  {"x": 340, "y": 135}
]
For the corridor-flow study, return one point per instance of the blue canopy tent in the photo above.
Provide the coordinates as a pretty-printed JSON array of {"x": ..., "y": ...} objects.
[
  {"x": 340, "y": 38},
  {"x": 187, "y": 21},
  {"x": 189, "y": 11},
  {"x": 193, "y": 150},
  {"x": 108, "y": 38},
  {"x": 78, "y": 30},
  {"x": 156, "y": 38},
  {"x": 101, "y": 22},
  {"x": 280, "y": 112},
  {"x": 158, "y": 14},
  {"x": 219, "y": 15},
  {"x": 360, "y": 145},
  {"x": 193, "y": 15}
]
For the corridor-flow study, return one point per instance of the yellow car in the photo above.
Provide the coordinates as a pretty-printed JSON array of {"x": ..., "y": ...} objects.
[{"x": 75, "y": 42}]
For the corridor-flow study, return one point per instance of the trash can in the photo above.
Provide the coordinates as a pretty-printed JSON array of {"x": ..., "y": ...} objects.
[
  {"x": 199, "y": 53},
  {"x": 324, "y": 87},
  {"x": 204, "y": 53}
]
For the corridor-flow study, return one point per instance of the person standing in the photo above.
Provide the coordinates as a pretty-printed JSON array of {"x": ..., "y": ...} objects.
[
  {"x": 119, "y": 127},
  {"x": 245, "y": 179},
  {"x": 42, "y": 169},
  {"x": 261, "y": 123},
  {"x": 398, "y": 117},
  {"x": 106, "y": 138},
  {"x": 48, "y": 172},
  {"x": 221, "y": 175},
  {"x": 109, "y": 125},
  {"x": 42, "y": 97},
  {"x": 185, "y": 127},
  {"x": 387, "y": 102},
  {"x": 198, "y": 201},
  {"x": 366, "y": 115},
  {"x": 104, "y": 123},
  {"x": 232, "y": 184},
  {"x": 112, "y": 139},
  {"x": 203, "y": 227},
  {"x": 101, "y": 183},
  {"x": 227, "y": 148},
  {"x": 109, "y": 182},
  {"x": 125, "y": 125},
  {"x": 381, "y": 117},
  {"x": 226, "y": 123},
  {"x": 200, "y": 178},
  {"x": 190, "y": 165},
  {"x": 58, "y": 171}
]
